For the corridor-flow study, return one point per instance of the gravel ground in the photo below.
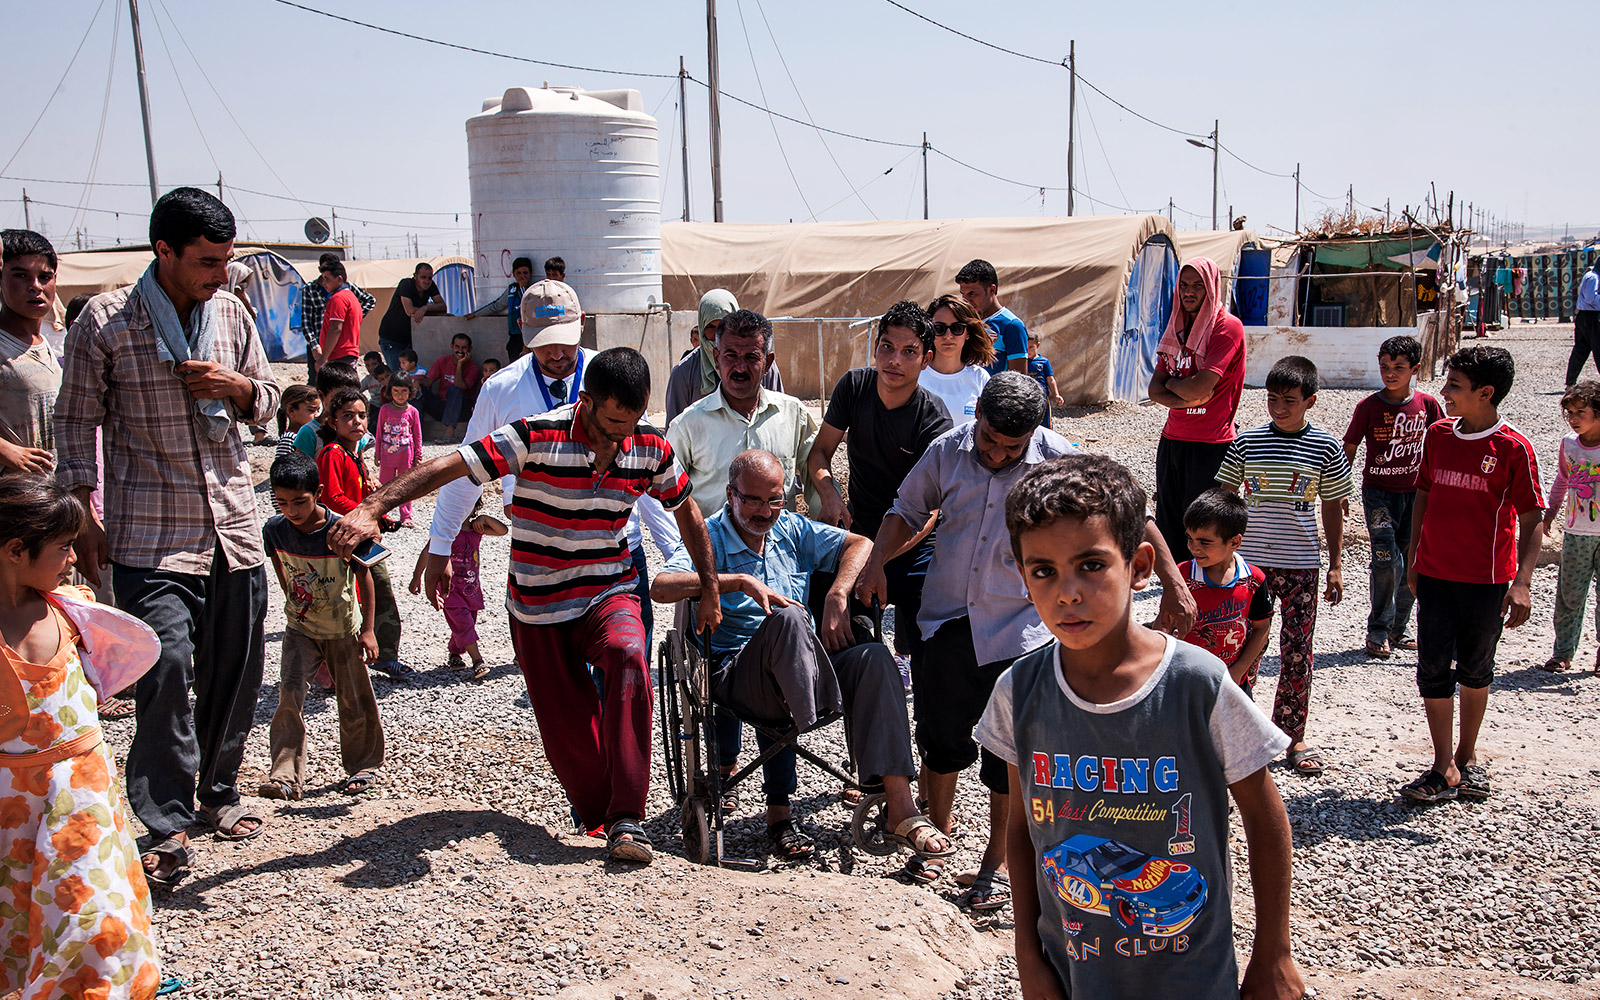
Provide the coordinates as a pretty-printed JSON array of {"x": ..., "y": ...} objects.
[{"x": 461, "y": 872}]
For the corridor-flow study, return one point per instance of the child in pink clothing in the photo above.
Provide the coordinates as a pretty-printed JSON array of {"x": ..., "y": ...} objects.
[
  {"x": 398, "y": 431},
  {"x": 465, "y": 600}
]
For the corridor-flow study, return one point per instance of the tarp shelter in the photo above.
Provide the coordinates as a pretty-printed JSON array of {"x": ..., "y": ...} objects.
[
  {"x": 1223, "y": 246},
  {"x": 378, "y": 278},
  {"x": 1244, "y": 267},
  {"x": 1095, "y": 290}
]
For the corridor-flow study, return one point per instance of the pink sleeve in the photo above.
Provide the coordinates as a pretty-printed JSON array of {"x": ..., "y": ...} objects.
[
  {"x": 377, "y": 431},
  {"x": 1558, "y": 489},
  {"x": 415, "y": 423}
]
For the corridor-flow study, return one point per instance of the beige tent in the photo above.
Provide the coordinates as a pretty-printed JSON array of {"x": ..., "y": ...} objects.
[
  {"x": 1068, "y": 279},
  {"x": 1221, "y": 245},
  {"x": 378, "y": 278}
]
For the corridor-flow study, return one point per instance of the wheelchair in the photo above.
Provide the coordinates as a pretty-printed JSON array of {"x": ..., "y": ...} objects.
[{"x": 688, "y": 747}]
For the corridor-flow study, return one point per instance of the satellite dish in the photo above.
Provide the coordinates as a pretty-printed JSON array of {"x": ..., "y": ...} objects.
[{"x": 317, "y": 230}]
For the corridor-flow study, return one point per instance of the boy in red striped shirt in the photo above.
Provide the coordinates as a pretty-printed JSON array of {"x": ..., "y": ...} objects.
[{"x": 1474, "y": 543}]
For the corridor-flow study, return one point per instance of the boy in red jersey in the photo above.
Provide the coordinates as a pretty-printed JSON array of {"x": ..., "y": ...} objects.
[
  {"x": 1234, "y": 617},
  {"x": 1474, "y": 543}
]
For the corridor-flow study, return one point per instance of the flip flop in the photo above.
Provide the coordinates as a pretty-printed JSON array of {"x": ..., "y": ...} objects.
[
  {"x": 907, "y": 836},
  {"x": 222, "y": 821},
  {"x": 1556, "y": 665},
  {"x": 1307, "y": 761},
  {"x": 1379, "y": 650},
  {"x": 636, "y": 849}
]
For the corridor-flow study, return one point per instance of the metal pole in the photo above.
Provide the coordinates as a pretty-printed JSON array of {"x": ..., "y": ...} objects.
[
  {"x": 683, "y": 126},
  {"x": 1169, "y": 212},
  {"x": 219, "y": 185},
  {"x": 1297, "y": 199},
  {"x": 925, "y": 177},
  {"x": 716, "y": 110},
  {"x": 1216, "y": 154},
  {"x": 144, "y": 100},
  {"x": 1072, "y": 114},
  {"x": 27, "y": 222}
]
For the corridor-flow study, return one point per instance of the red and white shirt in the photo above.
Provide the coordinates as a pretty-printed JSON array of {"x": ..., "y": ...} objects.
[
  {"x": 1224, "y": 611},
  {"x": 1477, "y": 484}
]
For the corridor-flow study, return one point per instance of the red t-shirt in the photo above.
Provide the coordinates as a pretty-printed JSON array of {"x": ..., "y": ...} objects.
[
  {"x": 1477, "y": 484},
  {"x": 1211, "y": 421},
  {"x": 342, "y": 305},
  {"x": 445, "y": 365},
  {"x": 1224, "y": 610},
  {"x": 1394, "y": 438}
]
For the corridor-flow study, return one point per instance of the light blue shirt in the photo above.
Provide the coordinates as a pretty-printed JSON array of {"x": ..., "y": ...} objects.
[
  {"x": 973, "y": 573},
  {"x": 795, "y": 548},
  {"x": 1010, "y": 339},
  {"x": 1589, "y": 291}
]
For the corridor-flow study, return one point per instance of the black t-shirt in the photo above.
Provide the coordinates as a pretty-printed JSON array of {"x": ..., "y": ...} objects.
[
  {"x": 396, "y": 325},
  {"x": 883, "y": 444}
]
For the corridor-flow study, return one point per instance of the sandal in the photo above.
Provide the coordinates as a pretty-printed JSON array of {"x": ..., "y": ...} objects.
[
  {"x": 393, "y": 669},
  {"x": 991, "y": 890},
  {"x": 1379, "y": 650},
  {"x": 635, "y": 849},
  {"x": 730, "y": 800},
  {"x": 1556, "y": 665},
  {"x": 919, "y": 871},
  {"x": 789, "y": 842},
  {"x": 1474, "y": 782},
  {"x": 456, "y": 662},
  {"x": 1431, "y": 787},
  {"x": 1402, "y": 643},
  {"x": 1307, "y": 761},
  {"x": 223, "y": 821},
  {"x": 171, "y": 848},
  {"x": 914, "y": 835},
  {"x": 279, "y": 788},
  {"x": 480, "y": 670},
  {"x": 852, "y": 796},
  {"x": 116, "y": 708},
  {"x": 359, "y": 783}
]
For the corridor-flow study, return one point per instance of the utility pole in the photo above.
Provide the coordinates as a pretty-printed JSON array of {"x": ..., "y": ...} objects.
[
  {"x": 683, "y": 127},
  {"x": 716, "y": 110},
  {"x": 219, "y": 185},
  {"x": 144, "y": 100},
  {"x": 1216, "y": 156},
  {"x": 925, "y": 178},
  {"x": 1297, "y": 199},
  {"x": 1169, "y": 214},
  {"x": 1350, "y": 200},
  {"x": 27, "y": 222},
  {"x": 1072, "y": 113}
]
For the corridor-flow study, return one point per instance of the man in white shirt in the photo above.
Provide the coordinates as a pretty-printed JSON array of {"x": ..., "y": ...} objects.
[{"x": 548, "y": 375}]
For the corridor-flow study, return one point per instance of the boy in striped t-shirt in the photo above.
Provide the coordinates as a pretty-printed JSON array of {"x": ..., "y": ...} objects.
[{"x": 1279, "y": 469}]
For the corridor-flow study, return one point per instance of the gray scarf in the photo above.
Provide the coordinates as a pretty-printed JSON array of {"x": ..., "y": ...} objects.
[{"x": 174, "y": 347}]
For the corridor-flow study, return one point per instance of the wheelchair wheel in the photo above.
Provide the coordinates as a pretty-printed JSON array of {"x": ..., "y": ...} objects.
[
  {"x": 696, "y": 831},
  {"x": 671, "y": 725},
  {"x": 867, "y": 825}
]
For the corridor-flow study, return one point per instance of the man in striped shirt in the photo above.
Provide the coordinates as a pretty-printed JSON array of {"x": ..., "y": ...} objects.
[{"x": 579, "y": 469}]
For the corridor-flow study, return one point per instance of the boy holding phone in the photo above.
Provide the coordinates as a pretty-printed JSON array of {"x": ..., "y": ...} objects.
[{"x": 321, "y": 593}]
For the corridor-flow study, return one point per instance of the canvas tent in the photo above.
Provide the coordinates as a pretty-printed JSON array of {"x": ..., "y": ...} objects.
[
  {"x": 379, "y": 277},
  {"x": 1096, "y": 291},
  {"x": 1222, "y": 245}
]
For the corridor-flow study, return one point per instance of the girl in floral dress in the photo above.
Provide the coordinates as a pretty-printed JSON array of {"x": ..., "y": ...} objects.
[{"x": 74, "y": 905}]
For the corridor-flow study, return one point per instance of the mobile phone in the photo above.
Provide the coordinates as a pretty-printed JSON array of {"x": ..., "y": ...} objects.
[{"x": 369, "y": 553}]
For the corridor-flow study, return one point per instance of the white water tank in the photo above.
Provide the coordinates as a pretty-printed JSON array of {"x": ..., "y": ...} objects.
[{"x": 558, "y": 171}]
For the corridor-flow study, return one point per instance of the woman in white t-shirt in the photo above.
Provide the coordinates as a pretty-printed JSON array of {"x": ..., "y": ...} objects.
[{"x": 962, "y": 349}]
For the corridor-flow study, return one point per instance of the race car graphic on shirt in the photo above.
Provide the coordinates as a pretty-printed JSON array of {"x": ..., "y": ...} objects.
[{"x": 1158, "y": 896}]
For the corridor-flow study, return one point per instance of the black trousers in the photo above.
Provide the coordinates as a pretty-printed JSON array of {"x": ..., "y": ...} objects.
[
  {"x": 1184, "y": 470},
  {"x": 1585, "y": 341},
  {"x": 211, "y": 631}
]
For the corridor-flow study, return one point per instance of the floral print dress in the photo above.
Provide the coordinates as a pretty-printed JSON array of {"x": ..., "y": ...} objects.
[{"x": 74, "y": 905}]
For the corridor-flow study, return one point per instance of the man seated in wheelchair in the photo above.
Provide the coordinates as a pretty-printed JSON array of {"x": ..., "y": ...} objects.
[{"x": 771, "y": 664}]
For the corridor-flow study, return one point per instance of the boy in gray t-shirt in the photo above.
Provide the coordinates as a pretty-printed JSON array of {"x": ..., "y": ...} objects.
[{"x": 1123, "y": 745}]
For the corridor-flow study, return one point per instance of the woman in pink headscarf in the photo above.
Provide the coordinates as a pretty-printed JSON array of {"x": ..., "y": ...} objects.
[{"x": 1199, "y": 375}]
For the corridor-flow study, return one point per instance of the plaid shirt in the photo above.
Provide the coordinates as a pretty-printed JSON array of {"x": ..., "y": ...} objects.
[
  {"x": 172, "y": 494},
  {"x": 314, "y": 299}
]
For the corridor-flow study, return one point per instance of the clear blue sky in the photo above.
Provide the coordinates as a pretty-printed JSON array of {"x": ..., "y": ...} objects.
[{"x": 1384, "y": 96}]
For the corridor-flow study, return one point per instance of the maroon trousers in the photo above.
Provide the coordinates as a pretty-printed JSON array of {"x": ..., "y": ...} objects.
[{"x": 597, "y": 742}]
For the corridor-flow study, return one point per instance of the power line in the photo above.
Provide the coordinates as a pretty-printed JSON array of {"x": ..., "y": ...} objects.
[
  {"x": 105, "y": 110},
  {"x": 57, "y": 88},
  {"x": 973, "y": 38},
  {"x": 774, "y": 125},
  {"x": 469, "y": 48},
  {"x": 980, "y": 170}
]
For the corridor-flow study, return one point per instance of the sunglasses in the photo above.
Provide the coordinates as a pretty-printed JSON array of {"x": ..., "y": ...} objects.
[{"x": 951, "y": 329}]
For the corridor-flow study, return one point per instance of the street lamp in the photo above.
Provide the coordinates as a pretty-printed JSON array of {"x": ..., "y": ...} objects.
[{"x": 1214, "y": 146}]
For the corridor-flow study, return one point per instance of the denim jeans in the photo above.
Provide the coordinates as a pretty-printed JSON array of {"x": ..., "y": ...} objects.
[
  {"x": 391, "y": 353},
  {"x": 1389, "y": 530}
]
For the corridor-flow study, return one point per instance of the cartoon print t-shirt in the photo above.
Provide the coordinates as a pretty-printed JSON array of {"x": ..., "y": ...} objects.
[
  {"x": 1128, "y": 814},
  {"x": 319, "y": 587},
  {"x": 1577, "y": 476}
]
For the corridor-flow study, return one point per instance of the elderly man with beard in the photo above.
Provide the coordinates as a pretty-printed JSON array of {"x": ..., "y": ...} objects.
[{"x": 769, "y": 663}]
